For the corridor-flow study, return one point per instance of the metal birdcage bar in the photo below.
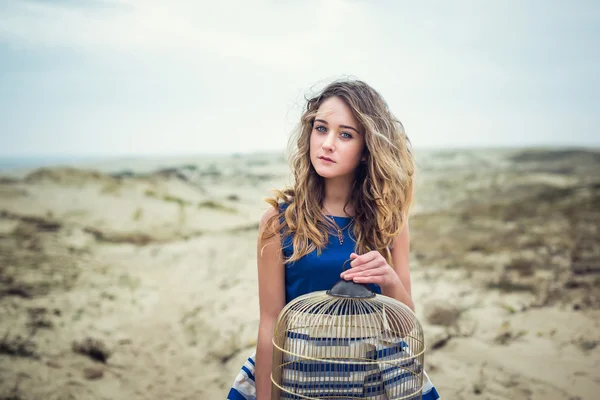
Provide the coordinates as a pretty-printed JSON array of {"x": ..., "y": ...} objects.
[{"x": 347, "y": 343}]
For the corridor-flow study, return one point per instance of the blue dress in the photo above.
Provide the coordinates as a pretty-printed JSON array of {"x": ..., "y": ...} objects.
[
  {"x": 312, "y": 272},
  {"x": 309, "y": 274}
]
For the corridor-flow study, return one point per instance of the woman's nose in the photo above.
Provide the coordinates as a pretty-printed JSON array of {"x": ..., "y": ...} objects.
[{"x": 328, "y": 143}]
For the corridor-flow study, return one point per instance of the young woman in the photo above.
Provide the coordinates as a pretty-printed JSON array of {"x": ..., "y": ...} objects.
[{"x": 353, "y": 186}]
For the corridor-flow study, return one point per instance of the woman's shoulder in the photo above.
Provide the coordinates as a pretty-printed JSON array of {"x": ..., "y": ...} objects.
[
  {"x": 275, "y": 209},
  {"x": 267, "y": 215},
  {"x": 272, "y": 212}
]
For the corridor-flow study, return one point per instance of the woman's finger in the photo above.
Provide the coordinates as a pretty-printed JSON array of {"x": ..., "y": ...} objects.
[
  {"x": 360, "y": 267},
  {"x": 374, "y": 267},
  {"x": 378, "y": 279},
  {"x": 365, "y": 258}
]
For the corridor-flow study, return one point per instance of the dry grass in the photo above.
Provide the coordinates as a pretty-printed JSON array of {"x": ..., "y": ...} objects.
[
  {"x": 537, "y": 228},
  {"x": 137, "y": 238},
  {"x": 139, "y": 213},
  {"x": 111, "y": 188},
  {"x": 19, "y": 346},
  {"x": 35, "y": 261},
  {"x": 93, "y": 348},
  {"x": 14, "y": 393},
  {"x": 214, "y": 205}
]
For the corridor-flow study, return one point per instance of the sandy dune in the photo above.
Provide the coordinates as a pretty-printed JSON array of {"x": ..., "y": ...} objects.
[{"x": 137, "y": 279}]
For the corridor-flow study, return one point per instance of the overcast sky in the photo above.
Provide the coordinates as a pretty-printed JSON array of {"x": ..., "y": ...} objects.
[{"x": 138, "y": 77}]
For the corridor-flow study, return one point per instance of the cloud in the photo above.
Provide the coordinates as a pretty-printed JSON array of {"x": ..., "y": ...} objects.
[{"x": 148, "y": 76}]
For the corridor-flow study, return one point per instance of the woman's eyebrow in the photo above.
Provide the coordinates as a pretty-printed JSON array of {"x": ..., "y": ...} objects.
[{"x": 341, "y": 126}]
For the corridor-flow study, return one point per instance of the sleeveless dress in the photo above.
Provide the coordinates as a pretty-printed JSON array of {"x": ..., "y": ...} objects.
[{"x": 309, "y": 274}]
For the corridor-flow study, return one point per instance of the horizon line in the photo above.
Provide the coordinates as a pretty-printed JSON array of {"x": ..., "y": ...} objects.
[{"x": 282, "y": 151}]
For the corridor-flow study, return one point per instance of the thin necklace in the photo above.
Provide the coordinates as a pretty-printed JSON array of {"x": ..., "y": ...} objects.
[{"x": 340, "y": 234}]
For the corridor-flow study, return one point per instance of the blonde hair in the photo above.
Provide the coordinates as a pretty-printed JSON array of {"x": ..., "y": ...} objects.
[{"x": 382, "y": 191}]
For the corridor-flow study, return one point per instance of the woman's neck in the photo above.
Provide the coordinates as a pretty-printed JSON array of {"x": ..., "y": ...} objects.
[{"x": 337, "y": 195}]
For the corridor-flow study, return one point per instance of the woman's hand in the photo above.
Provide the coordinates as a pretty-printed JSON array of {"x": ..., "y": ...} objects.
[{"x": 371, "y": 268}]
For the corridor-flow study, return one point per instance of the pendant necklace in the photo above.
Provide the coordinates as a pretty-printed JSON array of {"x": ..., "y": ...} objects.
[{"x": 340, "y": 233}]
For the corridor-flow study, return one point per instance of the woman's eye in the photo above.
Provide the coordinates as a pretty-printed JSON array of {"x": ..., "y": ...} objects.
[
  {"x": 348, "y": 136},
  {"x": 321, "y": 128}
]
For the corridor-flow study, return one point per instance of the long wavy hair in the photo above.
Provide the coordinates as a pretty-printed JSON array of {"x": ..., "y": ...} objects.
[{"x": 382, "y": 191}]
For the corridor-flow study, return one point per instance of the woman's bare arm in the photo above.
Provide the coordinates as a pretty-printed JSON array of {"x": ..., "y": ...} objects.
[
  {"x": 271, "y": 293},
  {"x": 400, "y": 256}
]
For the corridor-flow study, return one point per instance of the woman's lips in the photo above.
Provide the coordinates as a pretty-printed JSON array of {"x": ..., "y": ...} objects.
[{"x": 325, "y": 160}]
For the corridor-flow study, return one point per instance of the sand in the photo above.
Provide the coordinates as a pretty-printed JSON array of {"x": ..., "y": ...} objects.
[{"x": 134, "y": 279}]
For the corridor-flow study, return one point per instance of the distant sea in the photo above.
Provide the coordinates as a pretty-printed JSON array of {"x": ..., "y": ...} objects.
[
  {"x": 107, "y": 163},
  {"x": 8, "y": 163}
]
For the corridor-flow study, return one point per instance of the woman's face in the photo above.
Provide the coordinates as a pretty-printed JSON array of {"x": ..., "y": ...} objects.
[{"x": 336, "y": 135}]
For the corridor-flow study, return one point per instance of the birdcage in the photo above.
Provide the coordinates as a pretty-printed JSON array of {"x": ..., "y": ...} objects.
[{"x": 347, "y": 343}]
